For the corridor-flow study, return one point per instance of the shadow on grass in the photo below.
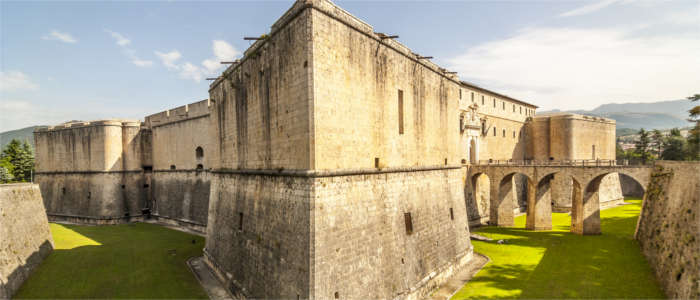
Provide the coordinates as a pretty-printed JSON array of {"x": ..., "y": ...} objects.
[
  {"x": 559, "y": 264},
  {"x": 129, "y": 261}
]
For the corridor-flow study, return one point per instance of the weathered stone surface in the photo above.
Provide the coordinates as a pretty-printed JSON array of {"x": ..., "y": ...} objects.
[
  {"x": 25, "y": 238},
  {"x": 668, "y": 229}
]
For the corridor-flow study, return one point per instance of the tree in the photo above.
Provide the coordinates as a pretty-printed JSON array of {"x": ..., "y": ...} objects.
[
  {"x": 658, "y": 138},
  {"x": 21, "y": 157},
  {"x": 6, "y": 169},
  {"x": 693, "y": 152},
  {"x": 641, "y": 147},
  {"x": 674, "y": 146}
]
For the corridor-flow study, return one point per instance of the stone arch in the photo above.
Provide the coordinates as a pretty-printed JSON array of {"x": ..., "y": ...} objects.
[
  {"x": 503, "y": 195},
  {"x": 539, "y": 207},
  {"x": 479, "y": 202}
]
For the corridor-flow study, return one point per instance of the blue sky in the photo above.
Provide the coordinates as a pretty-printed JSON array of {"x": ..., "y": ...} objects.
[{"x": 92, "y": 60}]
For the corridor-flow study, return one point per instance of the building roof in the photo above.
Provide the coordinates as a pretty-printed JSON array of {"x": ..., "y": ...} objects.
[{"x": 476, "y": 87}]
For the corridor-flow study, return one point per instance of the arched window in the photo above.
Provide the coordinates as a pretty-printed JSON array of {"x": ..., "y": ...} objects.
[{"x": 199, "y": 152}]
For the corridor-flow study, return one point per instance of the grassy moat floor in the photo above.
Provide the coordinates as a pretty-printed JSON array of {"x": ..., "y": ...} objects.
[
  {"x": 148, "y": 261},
  {"x": 123, "y": 261},
  {"x": 558, "y": 264}
]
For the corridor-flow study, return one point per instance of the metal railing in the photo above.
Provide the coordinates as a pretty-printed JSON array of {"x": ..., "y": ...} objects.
[{"x": 564, "y": 162}]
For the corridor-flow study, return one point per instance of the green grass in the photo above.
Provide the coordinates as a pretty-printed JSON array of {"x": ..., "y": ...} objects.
[
  {"x": 558, "y": 264},
  {"x": 123, "y": 261}
]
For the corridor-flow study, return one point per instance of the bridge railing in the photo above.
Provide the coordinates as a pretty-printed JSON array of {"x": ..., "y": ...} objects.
[{"x": 565, "y": 162}]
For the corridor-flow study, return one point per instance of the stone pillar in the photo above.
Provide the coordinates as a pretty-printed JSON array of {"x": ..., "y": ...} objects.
[
  {"x": 503, "y": 195},
  {"x": 539, "y": 207},
  {"x": 585, "y": 215}
]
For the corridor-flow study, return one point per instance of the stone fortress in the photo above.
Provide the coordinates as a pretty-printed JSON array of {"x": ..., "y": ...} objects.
[{"x": 329, "y": 161}]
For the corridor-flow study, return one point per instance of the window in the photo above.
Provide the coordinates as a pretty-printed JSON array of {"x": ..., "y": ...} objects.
[
  {"x": 504, "y": 133},
  {"x": 401, "y": 110},
  {"x": 200, "y": 167},
  {"x": 494, "y": 102},
  {"x": 460, "y": 94},
  {"x": 409, "y": 222},
  {"x": 472, "y": 96},
  {"x": 483, "y": 102},
  {"x": 504, "y": 105},
  {"x": 452, "y": 215},
  {"x": 513, "y": 107},
  {"x": 513, "y": 133},
  {"x": 240, "y": 221},
  {"x": 494, "y": 131},
  {"x": 172, "y": 167},
  {"x": 521, "y": 110},
  {"x": 199, "y": 153},
  {"x": 376, "y": 162},
  {"x": 483, "y": 128}
]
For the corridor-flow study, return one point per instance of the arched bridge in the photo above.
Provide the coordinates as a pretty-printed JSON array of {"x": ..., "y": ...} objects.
[{"x": 586, "y": 177}]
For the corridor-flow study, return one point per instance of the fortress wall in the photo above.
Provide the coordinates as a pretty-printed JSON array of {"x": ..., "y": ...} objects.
[
  {"x": 537, "y": 135},
  {"x": 181, "y": 198},
  {"x": 261, "y": 116},
  {"x": 266, "y": 254},
  {"x": 668, "y": 229},
  {"x": 358, "y": 83},
  {"x": 362, "y": 249},
  {"x": 498, "y": 145},
  {"x": 25, "y": 238},
  {"x": 561, "y": 140},
  {"x": 478, "y": 201},
  {"x": 592, "y": 131},
  {"x": 91, "y": 171}
]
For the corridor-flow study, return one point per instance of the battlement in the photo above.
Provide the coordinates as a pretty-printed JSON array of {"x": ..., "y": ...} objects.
[
  {"x": 181, "y": 113},
  {"x": 75, "y": 125}
]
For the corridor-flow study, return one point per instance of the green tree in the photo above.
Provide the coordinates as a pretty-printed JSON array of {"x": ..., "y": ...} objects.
[
  {"x": 21, "y": 157},
  {"x": 674, "y": 146},
  {"x": 693, "y": 152},
  {"x": 6, "y": 169},
  {"x": 641, "y": 147},
  {"x": 657, "y": 137}
]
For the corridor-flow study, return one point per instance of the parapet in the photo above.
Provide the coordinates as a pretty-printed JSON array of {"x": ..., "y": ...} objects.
[
  {"x": 76, "y": 125},
  {"x": 178, "y": 114},
  {"x": 571, "y": 116}
]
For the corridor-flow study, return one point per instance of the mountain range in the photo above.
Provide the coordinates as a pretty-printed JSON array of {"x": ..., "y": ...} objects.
[{"x": 633, "y": 116}]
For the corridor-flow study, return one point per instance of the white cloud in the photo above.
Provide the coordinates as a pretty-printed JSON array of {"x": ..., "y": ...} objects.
[
  {"x": 123, "y": 43},
  {"x": 169, "y": 58},
  {"x": 15, "y": 80},
  {"x": 584, "y": 67},
  {"x": 222, "y": 50},
  {"x": 119, "y": 38},
  {"x": 142, "y": 63},
  {"x": 190, "y": 71},
  {"x": 586, "y": 9},
  {"x": 59, "y": 36}
]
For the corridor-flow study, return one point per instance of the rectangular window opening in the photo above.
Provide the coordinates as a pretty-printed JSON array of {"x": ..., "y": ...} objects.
[
  {"x": 409, "y": 222},
  {"x": 452, "y": 215},
  {"x": 240, "y": 221}
]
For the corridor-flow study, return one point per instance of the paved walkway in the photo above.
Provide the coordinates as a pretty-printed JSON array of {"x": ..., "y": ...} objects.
[
  {"x": 447, "y": 290},
  {"x": 207, "y": 279}
]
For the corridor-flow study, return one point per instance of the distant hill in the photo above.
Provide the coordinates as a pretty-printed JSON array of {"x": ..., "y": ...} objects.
[
  {"x": 24, "y": 134},
  {"x": 655, "y": 115}
]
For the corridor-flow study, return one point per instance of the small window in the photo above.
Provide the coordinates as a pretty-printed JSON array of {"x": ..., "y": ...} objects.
[
  {"x": 172, "y": 167},
  {"x": 199, "y": 153},
  {"x": 483, "y": 102},
  {"x": 200, "y": 167},
  {"x": 63, "y": 191},
  {"x": 494, "y": 131},
  {"x": 494, "y": 102},
  {"x": 513, "y": 107},
  {"x": 376, "y": 162},
  {"x": 460, "y": 94},
  {"x": 401, "y": 110},
  {"x": 452, "y": 215},
  {"x": 147, "y": 168},
  {"x": 409, "y": 222},
  {"x": 472, "y": 96},
  {"x": 504, "y": 133},
  {"x": 240, "y": 221},
  {"x": 336, "y": 295},
  {"x": 521, "y": 110},
  {"x": 520, "y": 134},
  {"x": 504, "y": 105}
]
